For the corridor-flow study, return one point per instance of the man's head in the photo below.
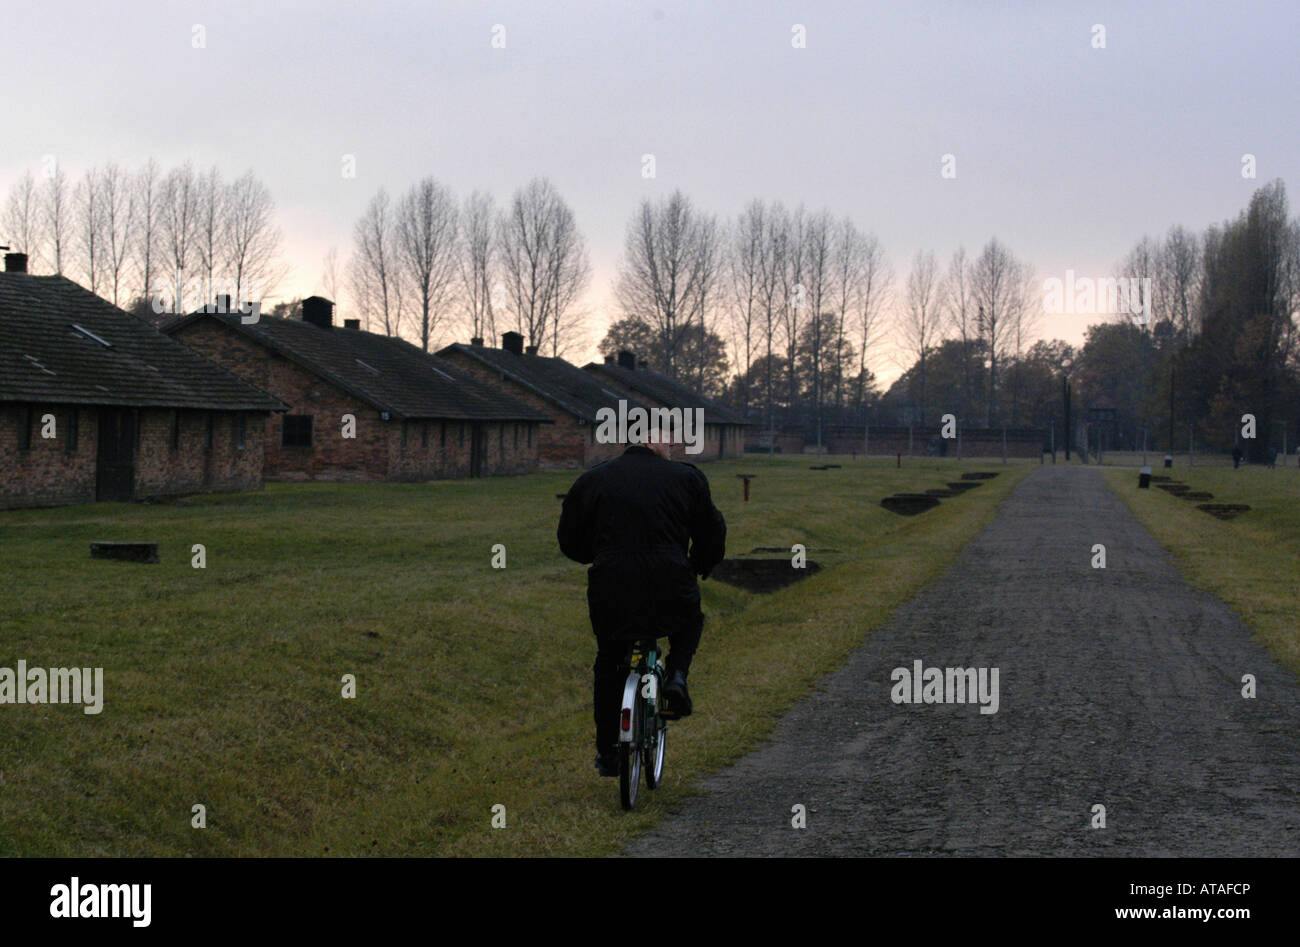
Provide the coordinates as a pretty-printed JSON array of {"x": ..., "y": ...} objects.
[{"x": 660, "y": 439}]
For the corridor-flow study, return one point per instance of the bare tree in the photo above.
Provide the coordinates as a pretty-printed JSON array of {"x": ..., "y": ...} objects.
[
  {"x": 958, "y": 302},
  {"x": 373, "y": 271},
  {"x": 711, "y": 265},
  {"x": 920, "y": 321},
  {"x": 772, "y": 288},
  {"x": 846, "y": 269},
  {"x": 477, "y": 269},
  {"x": 744, "y": 272},
  {"x": 544, "y": 265},
  {"x": 875, "y": 290},
  {"x": 1141, "y": 263},
  {"x": 795, "y": 294},
  {"x": 209, "y": 228},
  {"x": 180, "y": 211},
  {"x": 819, "y": 242},
  {"x": 1000, "y": 284},
  {"x": 1178, "y": 272},
  {"x": 148, "y": 221},
  {"x": 251, "y": 240},
  {"x": 663, "y": 267},
  {"x": 118, "y": 223},
  {"x": 87, "y": 212},
  {"x": 22, "y": 218},
  {"x": 57, "y": 215},
  {"x": 426, "y": 248},
  {"x": 329, "y": 277}
]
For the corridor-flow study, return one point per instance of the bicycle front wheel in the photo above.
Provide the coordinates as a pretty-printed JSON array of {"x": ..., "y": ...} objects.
[{"x": 654, "y": 753}]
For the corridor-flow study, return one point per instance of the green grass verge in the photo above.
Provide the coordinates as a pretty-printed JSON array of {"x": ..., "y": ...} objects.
[
  {"x": 1252, "y": 563},
  {"x": 222, "y": 685}
]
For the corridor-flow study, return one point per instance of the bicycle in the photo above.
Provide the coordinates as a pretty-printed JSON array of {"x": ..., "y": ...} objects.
[{"x": 642, "y": 733}]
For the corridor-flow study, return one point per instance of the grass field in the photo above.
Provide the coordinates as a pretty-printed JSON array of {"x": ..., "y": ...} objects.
[
  {"x": 222, "y": 685},
  {"x": 1252, "y": 563}
]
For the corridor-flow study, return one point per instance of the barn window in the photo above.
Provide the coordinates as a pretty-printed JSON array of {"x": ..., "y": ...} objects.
[
  {"x": 212, "y": 430},
  {"x": 296, "y": 430},
  {"x": 176, "y": 429},
  {"x": 239, "y": 430},
  {"x": 70, "y": 442}
]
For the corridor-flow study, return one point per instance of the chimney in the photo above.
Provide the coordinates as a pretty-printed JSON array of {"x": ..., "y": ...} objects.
[
  {"x": 512, "y": 342},
  {"x": 609, "y": 360},
  {"x": 222, "y": 304},
  {"x": 626, "y": 360},
  {"x": 477, "y": 340},
  {"x": 319, "y": 311},
  {"x": 531, "y": 350},
  {"x": 15, "y": 262},
  {"x": 352, "y": 323}
]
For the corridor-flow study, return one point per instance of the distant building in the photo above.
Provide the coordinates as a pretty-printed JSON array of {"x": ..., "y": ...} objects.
[
  {"x": 364, "y": 406},
  {"x": 95, "y": 404},
  {"x": 724, "y": 429},
  {"x": 568, "y": 395}
]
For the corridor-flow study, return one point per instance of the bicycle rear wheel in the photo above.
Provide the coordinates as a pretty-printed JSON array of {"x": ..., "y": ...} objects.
[{"x": 629, "y": 759}]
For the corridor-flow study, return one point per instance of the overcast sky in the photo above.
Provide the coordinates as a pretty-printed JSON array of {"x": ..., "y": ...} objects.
[{"x": 1065, "y": 152}]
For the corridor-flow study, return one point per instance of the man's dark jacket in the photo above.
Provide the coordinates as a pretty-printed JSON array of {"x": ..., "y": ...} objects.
[{"x": 648, "y": 526}]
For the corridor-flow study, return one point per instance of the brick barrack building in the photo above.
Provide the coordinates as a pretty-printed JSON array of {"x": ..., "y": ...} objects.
[
  {"x": 568, "y": 395},
  {"x": 724, "y": 429},
  {"x": 96, "y": 404},
  {"x": 411, "y": 415}
]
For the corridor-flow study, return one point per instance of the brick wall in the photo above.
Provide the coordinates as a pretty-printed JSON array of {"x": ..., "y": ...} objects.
[
  {"x": 190, "y": 467},
  {"x": 331, "y": 456},
  {"x": 433, "y": 449},
  {"x": 436, "y": 449},
  {"x": 513, "y": 447},
  {"x": 726, "y": 436},
  {"x": 46, "y": 474},
  {"x": 565, "y": 444}
]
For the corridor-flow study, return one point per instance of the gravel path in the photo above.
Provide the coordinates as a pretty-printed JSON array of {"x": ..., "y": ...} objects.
[{"x": 1118, "y": 686}]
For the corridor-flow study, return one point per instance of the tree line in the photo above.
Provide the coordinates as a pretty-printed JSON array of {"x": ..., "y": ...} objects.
[
  {"x": 1216, "y": 341},
  {"x": 133, "y": 235},
  {"x": 428, "y": 261},
  {"x": 775, "y": 312}
]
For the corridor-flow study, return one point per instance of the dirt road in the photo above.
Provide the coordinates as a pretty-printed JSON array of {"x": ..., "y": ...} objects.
[{"x": 1118, "y": 687}]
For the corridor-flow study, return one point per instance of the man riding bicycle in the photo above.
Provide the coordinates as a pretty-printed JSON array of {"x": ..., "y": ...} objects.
[{"x": 648, "y": 527}]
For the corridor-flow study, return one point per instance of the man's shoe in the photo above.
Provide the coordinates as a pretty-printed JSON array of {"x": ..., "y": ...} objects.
[
  {"x": 607, "y": 763},
  {"x": 677, "y": 699}
]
